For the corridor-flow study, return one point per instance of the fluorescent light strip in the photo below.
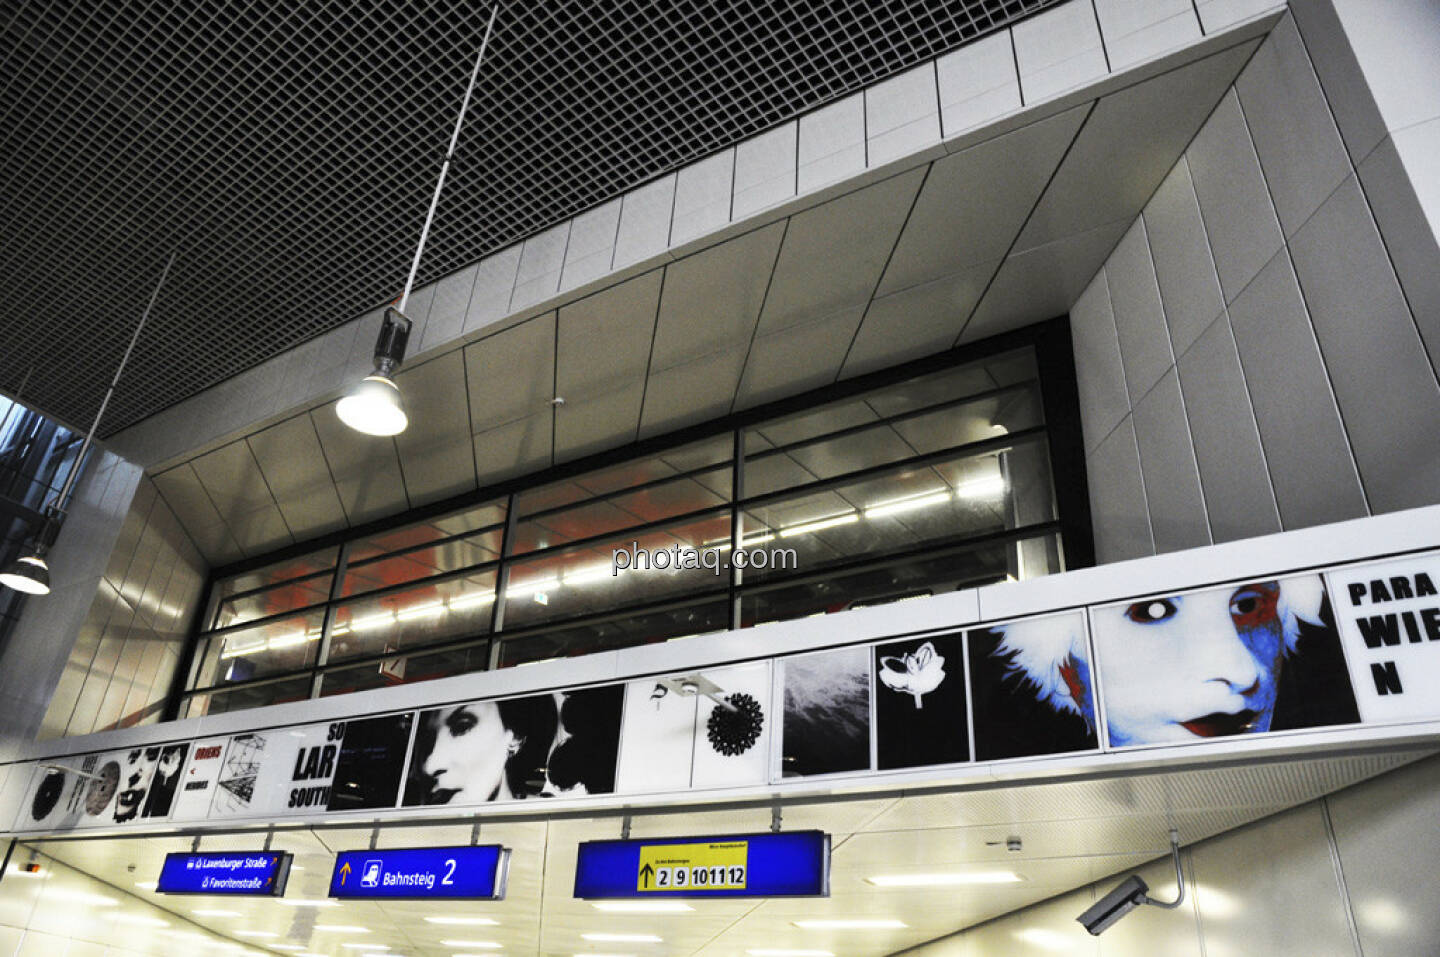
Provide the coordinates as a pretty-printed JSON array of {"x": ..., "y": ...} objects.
[
  {"x": 987, "y": 487},
  {"x": 481, "y": 944},
  {"x": 300, "y": 902},
  {"x": 945, "y": 880},
  {"x": 207, "y": 912},
  {"x": 623, "y": 938},
  {"x": 767, "y": 952},
  {"x": 342, "y": 929},
  {"x": 477, "y": 921},
  {"x": 640, "y": 907},
  {"x": 824, "y": 523},
  {"x": 255, "y": 933},
  {"x": 140, "y": 920},
  {"x": 366, "y": 946},
  {"x": 909, "y": 504},
  {"x": 863, "y": 923}
]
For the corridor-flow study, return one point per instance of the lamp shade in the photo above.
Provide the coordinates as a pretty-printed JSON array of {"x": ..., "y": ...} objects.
[
  {"x": 373, "y": 407},
  {"x": 29, "y": 574}
]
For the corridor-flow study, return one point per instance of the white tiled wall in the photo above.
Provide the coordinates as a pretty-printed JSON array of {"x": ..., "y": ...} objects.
[
  {"x": 1286, "y": 886},
  {"x": 1272, "y": 366}
]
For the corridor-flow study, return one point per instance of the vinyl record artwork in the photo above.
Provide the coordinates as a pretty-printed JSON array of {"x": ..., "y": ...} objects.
[
  {"x": 1030, "y": 687},
  {"x": 370, "y": 763},
  {"x": 826, "y": 717},
  {"x": 90, "y": 791},
  {"x": 1247, "y": 658},
  {"x": 920, "y": 702},
  {"x": 515, "y": 749}
]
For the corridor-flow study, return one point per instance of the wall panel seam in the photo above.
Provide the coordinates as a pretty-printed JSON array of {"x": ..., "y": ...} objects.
[{"x": 1334, "y": 847}]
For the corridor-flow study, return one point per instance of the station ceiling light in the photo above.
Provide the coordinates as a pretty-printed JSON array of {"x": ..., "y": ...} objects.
[
  {"x": 374, "y": 407},
  {"x": 476, "y": 921},
  {"x": 623, "y": 938},
  {"x": 29, "y": 573}
]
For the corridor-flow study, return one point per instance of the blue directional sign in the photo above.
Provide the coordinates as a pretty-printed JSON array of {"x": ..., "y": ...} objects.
[
  {"x": 245, "y": 873},
  {"x": 422, "y": 873},
  {"x": 787, "y": 864}
]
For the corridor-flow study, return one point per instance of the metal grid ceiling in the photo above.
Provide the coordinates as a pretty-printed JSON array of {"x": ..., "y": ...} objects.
[{"x": 288, "y": 151}]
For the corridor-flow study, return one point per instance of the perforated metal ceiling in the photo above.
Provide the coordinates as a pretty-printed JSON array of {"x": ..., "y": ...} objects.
[{"x": 288, "y": 152}]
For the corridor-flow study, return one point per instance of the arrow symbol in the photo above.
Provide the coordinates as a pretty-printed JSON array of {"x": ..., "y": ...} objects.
[
  {"x": 344, "y": 872},
  {"x": 646, "y": 873}
]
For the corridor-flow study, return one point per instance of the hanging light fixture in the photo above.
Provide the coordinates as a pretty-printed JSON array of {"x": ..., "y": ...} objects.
[
  {"x": 29, "y": 573},
  {"x": 374, "y": 406}
]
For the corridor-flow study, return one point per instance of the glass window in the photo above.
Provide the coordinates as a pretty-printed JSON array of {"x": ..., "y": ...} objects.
[
  {"x": 963, "y": 495},
  {"x": 431, "y": 530},
  {"x": 435, "y": 611},
  {"x": 931, "y": 483},
  {"x": 273, "y": 590},
  {"x": 885, "y": 582},
  {"x": 251, "y": 696},
  {"x": 579, "y": 581},
  {"x": 272, "y": 647},
  {"x": 623, "y": 632}
]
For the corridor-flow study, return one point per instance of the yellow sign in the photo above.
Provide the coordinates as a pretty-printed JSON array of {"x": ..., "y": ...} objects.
[{"x": 693, "y": 867}]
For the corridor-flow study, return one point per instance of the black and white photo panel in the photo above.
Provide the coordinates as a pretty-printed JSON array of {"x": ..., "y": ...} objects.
[
  {"x": 825, "y": 712},
  {"x": 1031, "y": 688},
  {"x": 90, "y": 791},
  {"x": 732, "y": 744},
  {"x": 281, "y": 772},
  {"x": 1246, "y": 658},
  {"x": 370, "y": 763},
  {"x": 199, "y": 780},
  {"x": 657, "y": 742},
  {"x": 514, "y": 749},
  {"x": 920, "y": 702}
]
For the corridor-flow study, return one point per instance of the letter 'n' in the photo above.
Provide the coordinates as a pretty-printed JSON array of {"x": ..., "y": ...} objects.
[{"x": 1387, "y": 679}]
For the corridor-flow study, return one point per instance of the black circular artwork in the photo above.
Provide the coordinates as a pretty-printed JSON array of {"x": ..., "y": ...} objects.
[
  {"x": 735, "y": 732},
  {"x": 102, "y": 789},
  {"x": 47, "y": 795}
]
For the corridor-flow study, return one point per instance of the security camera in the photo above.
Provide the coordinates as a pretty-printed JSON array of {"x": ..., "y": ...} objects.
[
  {"x": 1114, "y": 905},
  {"x": 1130, "y": 894}
]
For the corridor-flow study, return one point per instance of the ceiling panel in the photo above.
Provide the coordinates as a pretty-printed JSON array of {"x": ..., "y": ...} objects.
[
  {"x": 711, "y": 299},
  {"x": 603, "y": 341},
  {"x": 511, "y": 375},
  {"x": 975, "y": 201},
  {"x": 1141, "y": 130},
  {"x": 598, "y": 423},
  {"x": 294, "y": 467},
  {"x": 797, "y": 358},
  {"x": 366, "y": 468},
  {"x": 917, "y": 321},
  {"x": 691, "y": 392},
  {"x": 182, "y": 491},
  {"x": 233, "y": 479},
  {"x": 833, "y": 254},
  {"x": 1042, "y": 283},
  {"x": 525, "y": 445},
  {"x": 436, "y": 460}
]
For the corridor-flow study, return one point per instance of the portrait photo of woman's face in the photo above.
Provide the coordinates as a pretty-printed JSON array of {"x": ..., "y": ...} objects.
[
  {"x": 466, "y": 764},
  {"x": 1185, "y": 667}
]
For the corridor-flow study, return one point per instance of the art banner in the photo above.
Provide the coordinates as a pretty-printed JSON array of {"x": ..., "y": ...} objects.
[
  {"x": 1249, "y": 658},
  {"x": 920, "y": 702},
  {"x": 673, "y": 741},
  {"x": 1031, "y": 688},
  {"x": 825, "y": 715},
  {"x": 517, "y": 748},
  {"x": 104, "y": 789},
  {"x": 1389, "y": 621}
]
